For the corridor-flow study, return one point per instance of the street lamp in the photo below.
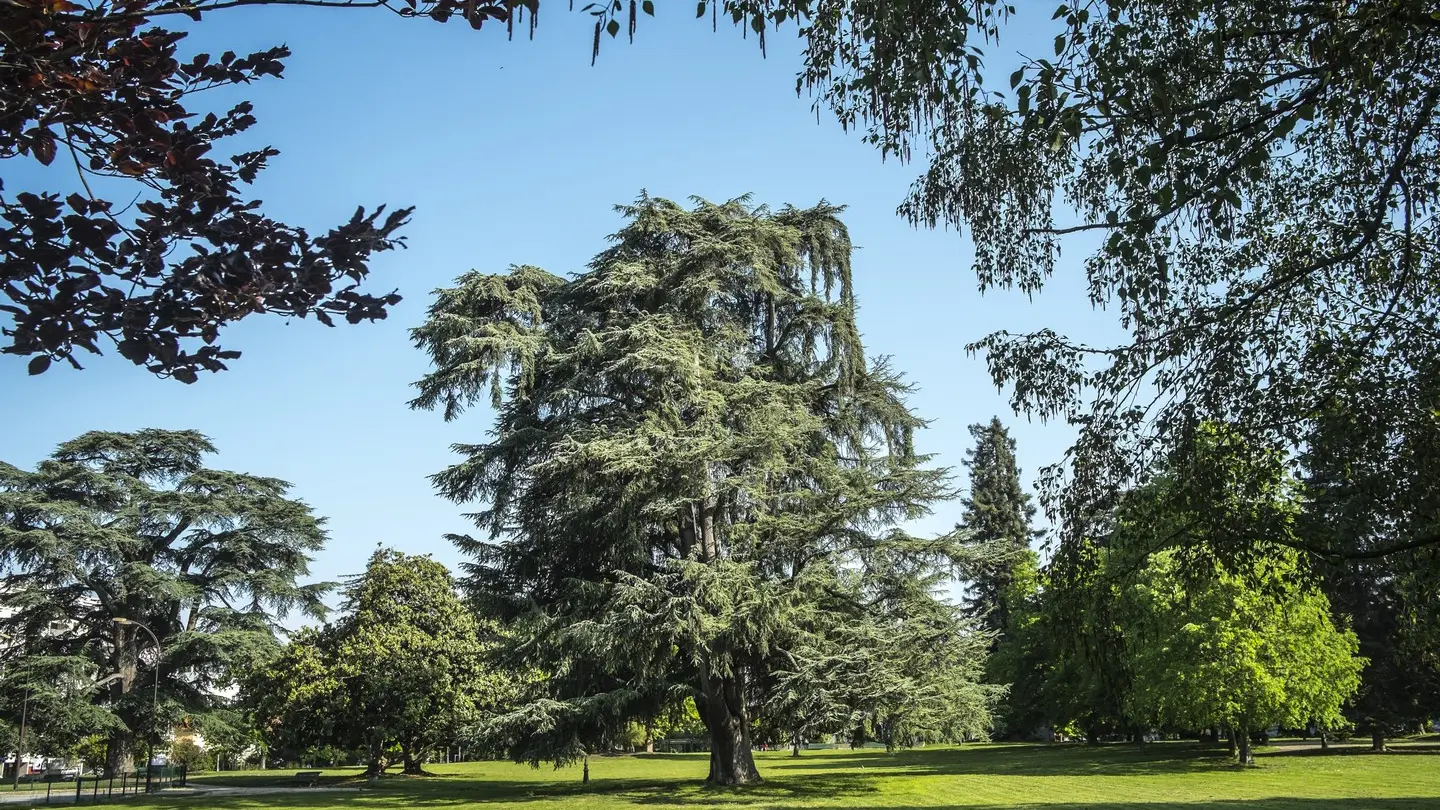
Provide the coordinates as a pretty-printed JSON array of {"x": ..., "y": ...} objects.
[{"x": 154, "y": 695}]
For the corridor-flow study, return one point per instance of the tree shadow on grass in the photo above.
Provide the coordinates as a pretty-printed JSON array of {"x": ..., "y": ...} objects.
[
  {"x": 806, "y": 791},
  {"x": 854, "y": 779},
  {"x": 1272, "y": 803},
  {"x": 1409, "y": 749},
  {"x": 770, "y": 793},
  {"x": 1025, "y": 760}
]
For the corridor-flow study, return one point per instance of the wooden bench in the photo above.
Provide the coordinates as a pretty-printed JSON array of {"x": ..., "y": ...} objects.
[{"x": 307, "y": 778}]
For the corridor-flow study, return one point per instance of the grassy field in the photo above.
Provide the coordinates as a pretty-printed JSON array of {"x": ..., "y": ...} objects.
[{"x": 986, "y": 777}]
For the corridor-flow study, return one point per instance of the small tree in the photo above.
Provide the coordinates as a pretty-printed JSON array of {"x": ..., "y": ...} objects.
[
  {"x": 1219, "y": 645},
  {"x": 403, "y": 669},
  {"x": 191, "y": 756},
  {"x": 1211, "y": 650}
]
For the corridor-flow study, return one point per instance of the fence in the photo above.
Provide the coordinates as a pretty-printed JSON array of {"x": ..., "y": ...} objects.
[{"x": 57, "y": 789}]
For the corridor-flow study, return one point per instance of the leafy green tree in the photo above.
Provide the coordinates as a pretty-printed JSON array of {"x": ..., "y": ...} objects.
[
  {"x": 1389, "y": 599},
  {"x": 1207, "y": 645},
  {"x": 1025, "y": 653},
  {"x": 190, "y": 755},
  {"x": 1211, "y": 649},
  {"x": 52, "y": 696},
  {"x": 693, "y": 469},
  {"x": 134, "y": 527},
  {"x": 405, "y": 667},
  {"x": 1075, "y": 639}
]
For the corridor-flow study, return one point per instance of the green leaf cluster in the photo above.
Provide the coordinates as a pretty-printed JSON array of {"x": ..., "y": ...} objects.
[{"x": 405, "y": 667}]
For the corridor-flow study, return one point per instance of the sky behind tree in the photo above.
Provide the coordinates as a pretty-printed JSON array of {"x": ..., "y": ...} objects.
[{"x": 515, "y": 152}]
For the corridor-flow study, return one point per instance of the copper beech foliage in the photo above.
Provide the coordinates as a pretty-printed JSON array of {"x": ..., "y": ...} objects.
[
  {"x": 161, "y": 269},
  {"x": 181, "y": 254},
  {"x": 158, "y": 268}
]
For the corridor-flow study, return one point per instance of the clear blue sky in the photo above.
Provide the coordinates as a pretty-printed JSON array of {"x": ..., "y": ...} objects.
[{"x": 514, "y": 153}]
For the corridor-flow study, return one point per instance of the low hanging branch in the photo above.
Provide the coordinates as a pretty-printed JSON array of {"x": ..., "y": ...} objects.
[{"x": 159, "y": 270}]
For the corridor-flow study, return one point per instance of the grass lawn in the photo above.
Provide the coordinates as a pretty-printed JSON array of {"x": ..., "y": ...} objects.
[{"x": 988, "y": 777}]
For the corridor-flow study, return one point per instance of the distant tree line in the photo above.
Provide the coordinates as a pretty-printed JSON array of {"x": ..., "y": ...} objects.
[{"x": 1144, "y": 628}]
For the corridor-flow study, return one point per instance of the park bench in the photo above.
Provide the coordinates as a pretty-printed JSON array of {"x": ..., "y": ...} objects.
[{"x": 307, "y": 778}]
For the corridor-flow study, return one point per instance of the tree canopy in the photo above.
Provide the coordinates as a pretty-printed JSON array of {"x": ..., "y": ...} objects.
[
  {"x": 1266, "y": 240},
  {"x": 695, "y": 479},
  {"x": 1148, "y": 627},
  {"x": 404, "y": 667},
  {"x": 134, "y": 527}
]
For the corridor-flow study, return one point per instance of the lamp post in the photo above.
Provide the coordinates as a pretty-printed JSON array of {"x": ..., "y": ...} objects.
[{"x": 154, "y": 696}]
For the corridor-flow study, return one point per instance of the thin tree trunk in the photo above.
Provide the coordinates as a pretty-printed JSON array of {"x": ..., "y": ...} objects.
[
  {"x": 1324, "y": 740},
  {"x": 377, "y": 763},
  {"x": 1242, "y": 740},
  {"x": 1377, "y": 738},
  {"x": 1230, "y": 735},
  {"x": 709, "y": 542}
]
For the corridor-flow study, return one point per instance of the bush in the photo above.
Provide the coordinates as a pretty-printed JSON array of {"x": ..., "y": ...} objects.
[{"x": 187, "y": 753}]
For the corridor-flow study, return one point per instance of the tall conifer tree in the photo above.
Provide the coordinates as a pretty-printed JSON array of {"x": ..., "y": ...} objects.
[
  {"x": 134, "y": 528},
  {"x": 694, "y": 472},
  {"x": 998, "y": 512}
]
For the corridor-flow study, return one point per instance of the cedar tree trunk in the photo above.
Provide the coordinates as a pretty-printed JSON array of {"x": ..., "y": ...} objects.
[
  {"x": 120, "y": 747},
  {"x": 731, "y": 761}
]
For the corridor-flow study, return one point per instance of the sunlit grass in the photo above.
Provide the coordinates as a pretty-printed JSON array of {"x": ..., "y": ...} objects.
[{"x": 986, "y": 777}]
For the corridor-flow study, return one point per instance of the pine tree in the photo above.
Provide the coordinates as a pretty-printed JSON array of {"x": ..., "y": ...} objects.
[
  {"x": 694, "y": 468},
  {"x": 998, "y": 513}
]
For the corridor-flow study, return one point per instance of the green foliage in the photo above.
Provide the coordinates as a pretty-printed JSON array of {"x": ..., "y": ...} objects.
[
  {"x": 1390, "y": 599},
  {"x": 134, "y": 526},
  {"x": 1227, "y": 653},
  {"x": 1024, "y": 652},
  {"x": 405, "y": 668},
  {"x": 636, "y": 736},
  {"x": 998, "y": 513},
  {"x": 190, "y": 755},
  {"x": 681, "y": 721},
  {"x": 693, "y": 484},
  {"x": 1259, "y": 232},
  {"x": 1171, "y": 636}
]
